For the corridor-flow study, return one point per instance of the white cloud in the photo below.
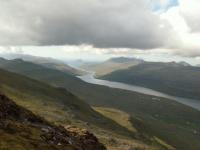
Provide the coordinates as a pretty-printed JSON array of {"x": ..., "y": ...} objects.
[
  {"x": 190, "y": 10},
  {"x": 11, "y": 49},
  {"x": 188, "y": 34},
  {"x": 176, "y": 20}
]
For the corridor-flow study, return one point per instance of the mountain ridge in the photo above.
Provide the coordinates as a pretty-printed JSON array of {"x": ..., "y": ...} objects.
[
  {"x": 46, "y": 62},
  {"x": 59, "y": 106},
  {"x": 112, "y": 64},
  {"x": 161, "y": 118},
  {"x": 178, "y": 79}
]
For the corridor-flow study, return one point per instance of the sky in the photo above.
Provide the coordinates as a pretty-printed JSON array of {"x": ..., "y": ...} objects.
[{"x": 158, "y": 30}]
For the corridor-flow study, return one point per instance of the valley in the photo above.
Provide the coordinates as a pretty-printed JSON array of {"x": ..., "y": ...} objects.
[
  {"x": 90, "y": 78},
  {"x": 99, "y": 75},
  {"x": 177, "y": 79},
  {"x": 60, "y": 107},
  {"x": 152, "y": 118}
]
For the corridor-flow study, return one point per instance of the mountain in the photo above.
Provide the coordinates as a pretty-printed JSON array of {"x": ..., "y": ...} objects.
[
  {"x": 153, "y": 117},
  {"x": 112, "y": 65},
  {"x": 172, "y": 78},
  {"x": 55, "y": 104},
  {"x": 38, "y": 72},
  {"x": 21, "y": 129},
  {"x": 124, "y": 59},
  {"x": 184, "y": 63},
  {"x": 46, "y": 62},
  {"x": 59, "y": 106}
]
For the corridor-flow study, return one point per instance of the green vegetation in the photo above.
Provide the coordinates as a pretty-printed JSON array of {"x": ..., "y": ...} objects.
[
  {"x": 167, "y": 120},
  {"x": 25, "y": 137},
  {"x": 118, "y": 116},
  {"x": 124, "y": 119},
  {"x": 111, "y": 65},
  {"x": 55, "y": 104},
  {"x": 171, "y": 78},
  {"x": 63, "y": 67},
  {"x": 46, "y": 62},
  {"x": 61, "y": 107},
  {"x": 22, "y": 130}
]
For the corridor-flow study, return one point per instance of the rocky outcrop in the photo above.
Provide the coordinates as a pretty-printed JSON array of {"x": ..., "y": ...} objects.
[
  {"x": 15, "y": 120},
  {"x": 9, "y": 110},
  {"x": 84, "y": 138}
]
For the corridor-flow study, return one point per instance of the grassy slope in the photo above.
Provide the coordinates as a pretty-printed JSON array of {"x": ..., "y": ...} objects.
[
  {"x": 119, "y": 116},
  {"x": 61, "y": 107},
  {"x": 171, "y": 78},
  {"x": 55, "y": 104},
  {"x": 63, "y": 67},
  {"x": 45, "y": 61},
  {"x": 124, "y": 119},
  {"x": 15, "y": 133},
  {"x": 23, "y": 130},
  {"x": 110, "y": 66},
  {"x": 168, "y": 120}
]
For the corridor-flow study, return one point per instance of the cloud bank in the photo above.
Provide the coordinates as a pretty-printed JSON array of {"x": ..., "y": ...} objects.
[{"x": 108, "y": 26}]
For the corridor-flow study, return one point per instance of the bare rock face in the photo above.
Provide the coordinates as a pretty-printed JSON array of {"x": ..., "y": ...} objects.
[
  {"x": 81, "y": 139},
  {"x": 16, "y": 120},
  {"x": 84, "y": 138}
]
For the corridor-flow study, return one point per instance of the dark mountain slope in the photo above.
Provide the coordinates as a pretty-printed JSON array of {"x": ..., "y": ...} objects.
[
  {"x": 158, "y": 116},
  {"x": 172, "y": 78},
  {"x": 55, "y": 104},
  {"x": 46, "y": 62},
  {"x": 62, "y": 107},
  {"x": 36, "y": 71},
  {"x": 20, "y": 129}
]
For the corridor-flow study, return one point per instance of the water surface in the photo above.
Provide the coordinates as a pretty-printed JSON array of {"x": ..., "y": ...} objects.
[{"x": 89, "y": 78}]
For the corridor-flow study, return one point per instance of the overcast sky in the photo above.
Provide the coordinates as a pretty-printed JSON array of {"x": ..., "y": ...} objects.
[{"x": 157, "y": 29}]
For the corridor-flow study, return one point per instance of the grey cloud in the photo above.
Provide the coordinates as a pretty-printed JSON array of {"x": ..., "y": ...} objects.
[
  {"x": 193, "y": 22},
  {"x": 102, "y": 23},
  {"x": 190, "y": 10}
]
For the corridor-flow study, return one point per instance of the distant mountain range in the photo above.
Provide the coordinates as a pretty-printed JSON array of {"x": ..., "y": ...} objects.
[
  {"x": 125, "y": 59},
  {"x": 46, "y": 62},
  {"x": 112, "y": 64},
  {"x": 178, "y": 79}
]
